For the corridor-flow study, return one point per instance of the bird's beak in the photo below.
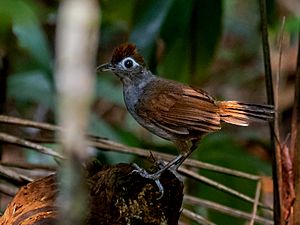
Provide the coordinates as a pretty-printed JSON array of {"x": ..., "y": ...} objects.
[{"x": 105, "y": 67}]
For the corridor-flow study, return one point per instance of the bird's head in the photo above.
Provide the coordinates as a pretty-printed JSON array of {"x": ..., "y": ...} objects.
[{"x": 126, "y": 62}]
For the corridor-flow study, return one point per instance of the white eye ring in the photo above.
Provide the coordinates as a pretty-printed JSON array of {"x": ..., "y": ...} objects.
[{"x": 129, "y": 63}]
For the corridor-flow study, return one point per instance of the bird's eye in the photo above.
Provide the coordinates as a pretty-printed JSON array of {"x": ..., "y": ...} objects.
[{"x": 129, "y": 63}]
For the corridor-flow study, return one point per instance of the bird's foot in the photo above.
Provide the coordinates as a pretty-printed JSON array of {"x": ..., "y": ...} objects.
[{"x": 152, "y": 176}]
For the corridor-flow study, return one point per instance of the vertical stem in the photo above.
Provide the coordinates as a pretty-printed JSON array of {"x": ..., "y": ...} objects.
[
  {"x": 4, "y": 67},
  {"x": 276, "y": 155},
  {"x": 76, "y": 47},
  {"x": 295, "y": 139},
  {"x": 256, "y": 200},
  {"x": 3, "y": 78}
]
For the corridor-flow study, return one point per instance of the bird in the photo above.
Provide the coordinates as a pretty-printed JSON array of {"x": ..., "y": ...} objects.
[{"x": 175, "y": 111}]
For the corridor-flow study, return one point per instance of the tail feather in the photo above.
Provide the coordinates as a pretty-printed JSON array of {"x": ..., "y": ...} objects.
[{"x": 242, "y": 114}]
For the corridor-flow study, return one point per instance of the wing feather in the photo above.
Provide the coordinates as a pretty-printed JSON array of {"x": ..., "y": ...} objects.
[{"x": 178, "y": 108}]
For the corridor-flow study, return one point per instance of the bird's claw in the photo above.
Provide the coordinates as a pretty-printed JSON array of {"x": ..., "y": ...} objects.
[
  {"x": 160, "y": 164},
  {"x": 155, "y": 177}
]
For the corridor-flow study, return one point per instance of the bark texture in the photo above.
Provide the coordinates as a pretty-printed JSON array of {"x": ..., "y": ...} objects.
[{"x": 116, "y": 196}]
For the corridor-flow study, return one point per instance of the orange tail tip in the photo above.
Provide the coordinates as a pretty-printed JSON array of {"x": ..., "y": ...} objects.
[{"x": 242, "y": 114}]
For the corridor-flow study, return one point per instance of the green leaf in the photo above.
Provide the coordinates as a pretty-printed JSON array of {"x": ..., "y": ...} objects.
[
  {"x": 148, "y": 24},
  {"x": 6, "y": 11},
  {"x": 29, "y": 33},
  {"x": 176, "y": 25},
  {"x": 113, "y": 13},
  {"x": 292, "y": 24},
  {"x": 222, "y": 149},
  {"x": 175, "y": 62},
  {"x": 110, "y": 91},
  {"x": 206, "y": 26},
  {"x": 31, "y": 86},
  {"x": 99, "y": 127},
  {"x": 190, "y": 30}
]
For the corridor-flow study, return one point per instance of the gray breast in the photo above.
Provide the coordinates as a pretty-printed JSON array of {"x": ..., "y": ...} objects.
[
  {"x": 133, "y": 91},
  {"x": 132, "y": 94}
]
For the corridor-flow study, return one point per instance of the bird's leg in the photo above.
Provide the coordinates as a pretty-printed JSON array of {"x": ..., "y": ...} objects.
[
  {"x": 155, "y": 176},
  {"x": 174, "y": 163}
]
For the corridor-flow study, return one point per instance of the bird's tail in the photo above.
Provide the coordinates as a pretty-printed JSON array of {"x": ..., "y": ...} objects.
[{"x": 241, "y": 114}]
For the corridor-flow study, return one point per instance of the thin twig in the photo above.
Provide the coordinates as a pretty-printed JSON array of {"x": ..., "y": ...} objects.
[
  {"x": 277, "y": 80},
  {"x": 29, "y": 166},
  {"x": 191, "y": 200},
  {"x": 219, "y": 186},
  {"x": 5, "y": 69},
  {"x": 39, "y": 125},
  {"x": 286, "y": 183},
  {"x": 278, "y": 142},
  {"x": 266, "y": 52},
  {"x": 28, "y": 123},
  {"x": 8, "y": 189},
  {"x": 196, "y": 217},
  {"x": 276, "y": 159},
  {"x": 13, "y": 175},
  {"x": 296, "y": 107},
  {"x": 295, "y": 138},
  {"x": 257, "y": 195},
  {"x": 21, "y": 142}
]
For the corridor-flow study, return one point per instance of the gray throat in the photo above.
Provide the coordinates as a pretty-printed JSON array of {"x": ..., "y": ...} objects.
[{"x": 134, "y": 89}]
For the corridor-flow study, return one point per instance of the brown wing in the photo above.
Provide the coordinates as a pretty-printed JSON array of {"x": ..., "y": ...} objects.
[{"x": 178, "y": 108}]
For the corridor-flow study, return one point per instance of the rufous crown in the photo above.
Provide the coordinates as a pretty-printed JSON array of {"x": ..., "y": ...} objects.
[{"x": 127, "y": 50}]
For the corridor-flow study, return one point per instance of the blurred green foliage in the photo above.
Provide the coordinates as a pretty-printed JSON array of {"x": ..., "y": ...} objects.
[{"x": 179, "y": 40}]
